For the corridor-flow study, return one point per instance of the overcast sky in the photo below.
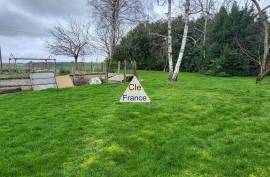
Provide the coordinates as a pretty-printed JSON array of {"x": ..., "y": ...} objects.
[{"x": 24, "y": 24}]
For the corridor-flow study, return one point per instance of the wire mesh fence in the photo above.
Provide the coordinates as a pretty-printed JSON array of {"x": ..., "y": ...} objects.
[
  {"x": 120, "y": 67},
  {"x": 87, "y": 67},
  {"x": 21, "y": 68}
]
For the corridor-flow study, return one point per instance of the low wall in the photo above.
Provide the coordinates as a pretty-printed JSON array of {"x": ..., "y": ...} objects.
[
  {"x": 24, "y": 84},
  {"x": 80, "y": 79}
]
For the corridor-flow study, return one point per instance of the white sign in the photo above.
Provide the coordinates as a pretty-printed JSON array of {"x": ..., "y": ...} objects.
[{"x": 135, "y": 93}]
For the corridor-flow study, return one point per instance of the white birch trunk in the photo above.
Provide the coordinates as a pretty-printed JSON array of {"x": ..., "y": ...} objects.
[
  {"x": 205, "y": 14},
  {"x": 170, "y": 39},
  {"x": 184, "y": 42},
  {"x": 204, "y": 36}
]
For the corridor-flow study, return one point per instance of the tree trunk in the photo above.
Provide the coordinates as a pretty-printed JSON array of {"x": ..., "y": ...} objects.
[
  {"x": 113, "y": 45},
  {"x": 205, "y": 28},
  {"x": 76, "y": 59},
  {"x": 184, "y": 42},
  {"x": 266, "y": 43},
  {"x": 165, "y": 63},
  {"x": 263, "y": 72},
  {"x": 264, "y": 63},
  {"x": 264, "y": 68},
  {"x": 114, "y": 28},
  {"x": 76, "y": 62},
  {"x": 259, "y": 78},
  {"x": 170, "y": 39},
  {"x": 113, "y": 34}
]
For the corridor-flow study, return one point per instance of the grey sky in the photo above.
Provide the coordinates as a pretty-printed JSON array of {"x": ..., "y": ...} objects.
[{"x": 24, "y": 24}]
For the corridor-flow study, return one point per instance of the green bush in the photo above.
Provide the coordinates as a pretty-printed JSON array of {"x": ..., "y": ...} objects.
[{"x": 64, "y": 71}]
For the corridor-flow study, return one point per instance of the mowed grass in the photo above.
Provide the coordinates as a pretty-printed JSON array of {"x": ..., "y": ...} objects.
[{"x": 200, "y": 126}]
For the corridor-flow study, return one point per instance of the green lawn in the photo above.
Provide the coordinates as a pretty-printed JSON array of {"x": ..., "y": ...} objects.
[{"x": 200, "y": 126}]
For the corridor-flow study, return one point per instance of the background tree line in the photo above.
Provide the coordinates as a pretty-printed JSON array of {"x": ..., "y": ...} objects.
[{"x": 231, "y": 33}]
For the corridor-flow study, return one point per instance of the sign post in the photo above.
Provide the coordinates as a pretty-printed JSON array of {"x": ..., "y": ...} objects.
[{"x": 1, "y": 61}]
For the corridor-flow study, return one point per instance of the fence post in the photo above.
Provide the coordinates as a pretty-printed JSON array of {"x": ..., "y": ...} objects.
[
  {"x": 72, "y": 68},
  {"x": 45, "y": 65},
  {"x": 134, "y": 68},
  {"x": 119, "y": 67},
  {"x": 15, "y": 67},
  {"x": 125, "y": 71},
  {"x": 9, "y": 66},
  {"x": 30, "y": 67},
  {"x": 1, "y": 62},
  {"x": 106, "y": 71},
  {"x": 91, "y": 66},
  {"x": 102, "y": 68},
  {"x": 55, "y": 67}
]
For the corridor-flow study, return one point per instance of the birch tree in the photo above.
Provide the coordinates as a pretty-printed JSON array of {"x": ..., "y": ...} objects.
[
  {"x": 206, "y": 7},
  {"x": 168, "y": 38},
  {"x": 170, "y": 57},
  {"x": 184, "y": 41}
]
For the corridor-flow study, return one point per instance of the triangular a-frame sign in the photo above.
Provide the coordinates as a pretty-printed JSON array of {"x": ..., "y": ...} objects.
[{"x": 135, "y": 93}]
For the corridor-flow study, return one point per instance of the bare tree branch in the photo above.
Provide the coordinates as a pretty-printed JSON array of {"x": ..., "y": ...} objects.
[
  {"x": 113, "y": 17},
  {"x": 246, "y": 52},
  {"x": 72, "y": 40}
]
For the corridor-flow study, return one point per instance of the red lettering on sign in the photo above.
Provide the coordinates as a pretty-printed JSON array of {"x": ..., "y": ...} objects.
[{"x": 134, "y": 87}]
